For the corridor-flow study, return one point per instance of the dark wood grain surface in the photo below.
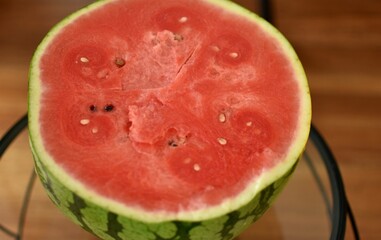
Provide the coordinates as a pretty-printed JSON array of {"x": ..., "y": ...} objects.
[{"x": 339, "y": 44}]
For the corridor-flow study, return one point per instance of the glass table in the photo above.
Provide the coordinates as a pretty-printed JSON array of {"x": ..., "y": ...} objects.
[{"x": 313, "y": 204}]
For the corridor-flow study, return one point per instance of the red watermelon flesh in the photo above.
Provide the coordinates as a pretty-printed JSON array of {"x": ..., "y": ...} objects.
[{"x": 176, "y": 109}]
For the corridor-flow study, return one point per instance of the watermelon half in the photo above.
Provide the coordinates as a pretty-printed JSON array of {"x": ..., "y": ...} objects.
[{"x": 176, "y": 119}]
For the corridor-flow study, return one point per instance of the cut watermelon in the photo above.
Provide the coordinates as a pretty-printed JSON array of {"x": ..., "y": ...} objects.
[{"x": 166, "y": 119}]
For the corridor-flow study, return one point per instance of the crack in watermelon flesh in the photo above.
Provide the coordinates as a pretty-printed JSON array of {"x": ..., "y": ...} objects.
[{"x": 177, "y": 109}]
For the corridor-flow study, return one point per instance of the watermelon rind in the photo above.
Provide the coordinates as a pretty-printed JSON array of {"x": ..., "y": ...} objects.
[
  {"x": 117, "y": 221},
  {"x": 110, "y": 225}
]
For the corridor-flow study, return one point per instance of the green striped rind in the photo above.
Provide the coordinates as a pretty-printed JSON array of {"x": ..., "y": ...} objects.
[{"x": 111, "y": 226}]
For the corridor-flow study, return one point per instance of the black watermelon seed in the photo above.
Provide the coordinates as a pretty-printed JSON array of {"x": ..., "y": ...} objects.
[
  {"x": 119, "y": 62},
  {"x": 108, "y": 108},
  {"x": 178, "y": 37},
  {"x": 93, "y": 108},
  {"x": 172, "y": 143}
]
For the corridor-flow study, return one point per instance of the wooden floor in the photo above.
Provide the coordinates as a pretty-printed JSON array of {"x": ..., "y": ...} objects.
[{"x": 339, "y": 43}]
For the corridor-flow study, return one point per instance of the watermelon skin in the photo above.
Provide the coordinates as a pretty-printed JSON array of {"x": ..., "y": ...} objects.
[{"x": 108, "y": 225}]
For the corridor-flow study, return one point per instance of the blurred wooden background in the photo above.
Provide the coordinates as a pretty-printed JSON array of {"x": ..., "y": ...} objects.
[{"x": 338, "y": 42}]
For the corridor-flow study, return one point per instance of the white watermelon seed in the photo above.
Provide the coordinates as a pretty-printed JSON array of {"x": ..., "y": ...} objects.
[
  {"x": 215, "y": 48},
  {"x": 94, "y": 130},
  {"x": 249, "y": 124},
  {"x": 84, "y": 121},
  {"x": 233, "y": 54},
  {"x": 183, "y": 19},
  {"x": 84, "y": 59},
  {"x": 222, "y": 141},
  {"x": 196, "y": 167},
  {"x": 222, "y": 118}
]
